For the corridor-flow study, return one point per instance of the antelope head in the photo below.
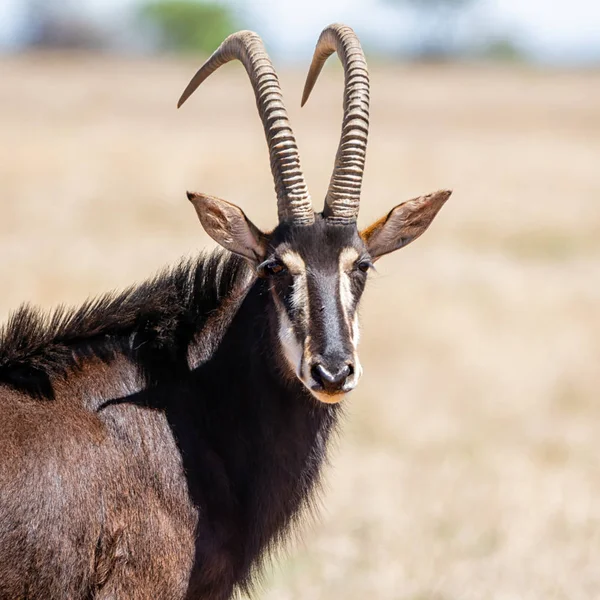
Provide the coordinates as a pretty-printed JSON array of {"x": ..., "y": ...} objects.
[{"x": 316, "y": 264}]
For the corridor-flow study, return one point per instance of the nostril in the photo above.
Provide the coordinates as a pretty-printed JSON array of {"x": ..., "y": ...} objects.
[
  {"x": 317, "y": 374},
  {"x": 331, "y": 380},
  {"x": 343, "y": 374}
]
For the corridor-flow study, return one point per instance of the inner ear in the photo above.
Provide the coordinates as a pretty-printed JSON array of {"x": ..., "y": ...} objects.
[
  {"x": 227, "y": 224},
  {"x": 403, "y": 224}
]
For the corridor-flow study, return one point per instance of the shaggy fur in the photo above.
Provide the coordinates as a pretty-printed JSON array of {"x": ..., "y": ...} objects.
[
  {"x": 152, "y": 323},
  {"x": 124, "y": 473}
]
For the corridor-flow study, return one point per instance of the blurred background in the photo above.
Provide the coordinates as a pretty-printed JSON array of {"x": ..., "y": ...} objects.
[{"x": 469, "y": 467}]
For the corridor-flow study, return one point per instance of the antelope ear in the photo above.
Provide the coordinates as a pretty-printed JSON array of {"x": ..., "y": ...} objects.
[
  {"x": 403, "y": 224},
  {"x": 228, "y": 226}
]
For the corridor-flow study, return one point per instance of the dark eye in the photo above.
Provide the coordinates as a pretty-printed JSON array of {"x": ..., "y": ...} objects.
[
  {"x": 271, "y": 267},
  {"x": 364, "y": 265},
  {"x": 276, "y": 268}
]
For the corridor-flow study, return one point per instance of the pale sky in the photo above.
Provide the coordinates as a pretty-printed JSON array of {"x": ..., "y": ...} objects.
[{"x": 553, "y": 31}]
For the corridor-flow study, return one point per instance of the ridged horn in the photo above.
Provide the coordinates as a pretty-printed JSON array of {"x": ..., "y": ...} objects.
[
  {"x": 343, "y": 195},
  {"x": 293, "y": 199}
]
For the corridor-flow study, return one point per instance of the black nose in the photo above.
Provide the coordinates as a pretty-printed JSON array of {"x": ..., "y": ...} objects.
[{"x": 331, "y": 378}]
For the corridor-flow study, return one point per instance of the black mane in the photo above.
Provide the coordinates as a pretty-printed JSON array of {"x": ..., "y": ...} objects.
[{"x": 152, "y": 323}]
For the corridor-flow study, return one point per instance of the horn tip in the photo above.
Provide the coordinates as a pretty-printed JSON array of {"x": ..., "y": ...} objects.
[
  {"x": 181, "y": 100},
  {"x": 308, "y": 87}
]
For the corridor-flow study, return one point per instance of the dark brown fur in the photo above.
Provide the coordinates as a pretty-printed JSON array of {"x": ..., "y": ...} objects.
[{"x": 126, "y": 474}]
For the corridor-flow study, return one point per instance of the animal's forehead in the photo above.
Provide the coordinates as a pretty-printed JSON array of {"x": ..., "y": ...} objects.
[{"x": 318, "y": 245}]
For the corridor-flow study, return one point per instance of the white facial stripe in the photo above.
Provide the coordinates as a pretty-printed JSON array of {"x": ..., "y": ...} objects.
[
  {"x": 355, "y": 330},
  {"x": 348, "y": 256},
  {"x": 345, "y": 296},
  {"x": 355, "y": 339},
  {"x": 297, "y": 267},
  {"x": 294, "y": 262},
  {"x": 291, "y": 347},
  {"x": 292, "y": 350},
  {"x": 299, "y": 297},
  {"x": 347, "y": 259}
]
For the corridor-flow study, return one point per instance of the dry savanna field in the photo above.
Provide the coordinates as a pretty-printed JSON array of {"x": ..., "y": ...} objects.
[{"x": 469, "y": 465}]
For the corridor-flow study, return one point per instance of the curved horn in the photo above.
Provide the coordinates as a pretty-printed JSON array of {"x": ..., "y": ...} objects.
[
  {"x": 343, "y": 195},
  {"x": 293, "y": 199}
]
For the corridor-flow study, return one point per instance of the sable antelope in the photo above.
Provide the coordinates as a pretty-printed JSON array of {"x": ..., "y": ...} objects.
[{"x": 159, "y": 443}]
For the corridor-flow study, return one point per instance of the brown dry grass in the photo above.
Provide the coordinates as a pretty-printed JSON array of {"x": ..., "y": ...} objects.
[{"x": 470, "y": 463}]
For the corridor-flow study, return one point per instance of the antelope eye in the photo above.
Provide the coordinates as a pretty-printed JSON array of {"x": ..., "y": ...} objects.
[
  {"x": 276, "y": 268},
  {"x": 271, "y": 267},
  {"x": 364, "y": 265}
]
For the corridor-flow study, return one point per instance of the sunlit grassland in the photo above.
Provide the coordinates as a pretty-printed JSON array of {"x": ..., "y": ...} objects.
[{"x": 469, "y": 464}]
